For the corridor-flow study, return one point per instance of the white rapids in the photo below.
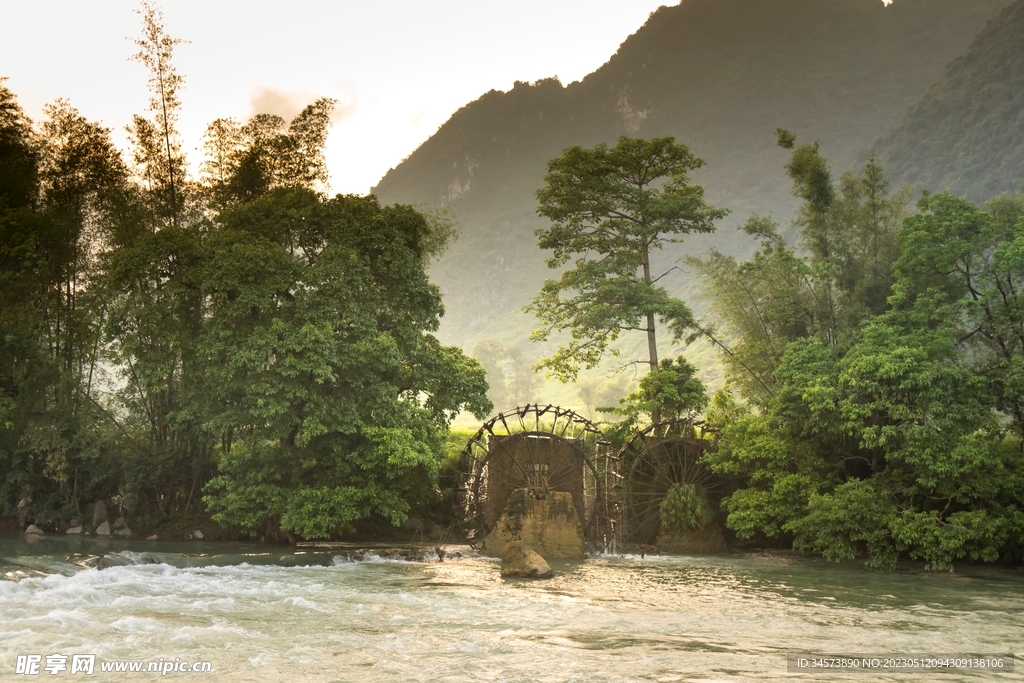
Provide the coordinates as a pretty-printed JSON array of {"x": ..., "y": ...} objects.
[{"x": 267, "y": 613}]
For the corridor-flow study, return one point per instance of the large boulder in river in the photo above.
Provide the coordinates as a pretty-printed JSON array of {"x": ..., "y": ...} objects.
[
  {"x": 33, "y": 530},
  {"x": 546, "y": 521},
  {"x": 521, "y": 562},
  {"x": 99, "y": 514},
  {"x": 103, "y": 529}
]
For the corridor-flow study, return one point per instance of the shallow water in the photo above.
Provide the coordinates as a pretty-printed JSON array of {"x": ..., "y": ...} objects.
[{"x": 272, "y": 613}]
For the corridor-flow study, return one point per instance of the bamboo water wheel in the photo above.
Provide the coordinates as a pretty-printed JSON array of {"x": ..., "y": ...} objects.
[
  {"x": 534, "y": 447},
  {"x": 660, "y": 457}
]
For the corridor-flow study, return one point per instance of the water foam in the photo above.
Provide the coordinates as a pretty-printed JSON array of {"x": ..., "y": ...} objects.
[{"x": 607, "y": 619}]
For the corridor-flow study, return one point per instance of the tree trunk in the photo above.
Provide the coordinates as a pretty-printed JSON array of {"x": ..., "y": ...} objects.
[
  {"x": 167, "y": 142},
  {"x": 652, "y": 340}
]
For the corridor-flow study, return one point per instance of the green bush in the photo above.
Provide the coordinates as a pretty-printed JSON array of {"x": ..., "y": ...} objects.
[{"x": 685, "y": 509}]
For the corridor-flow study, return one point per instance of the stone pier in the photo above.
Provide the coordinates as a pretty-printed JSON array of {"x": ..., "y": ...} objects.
[{"x": 546, "y": 521}]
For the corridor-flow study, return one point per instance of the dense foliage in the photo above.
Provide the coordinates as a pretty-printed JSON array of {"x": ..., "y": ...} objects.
[
  {"x": 684, "y": 508},
  {"x": 241, "y": 340},
  {"x": 334, "y": 399},
  {"x": 875, "y": 426},
  {"x": 670, "y": 393}
]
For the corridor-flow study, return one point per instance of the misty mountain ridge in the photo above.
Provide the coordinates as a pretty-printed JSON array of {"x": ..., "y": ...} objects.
[
  {"x": 967, "y": 133},
  {"x": 718, "y": 75}
]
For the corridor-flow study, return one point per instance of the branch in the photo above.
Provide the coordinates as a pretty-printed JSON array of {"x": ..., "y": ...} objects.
[
  {"x": 664, "y": 274},
  {"x": 729, "y": 353}
]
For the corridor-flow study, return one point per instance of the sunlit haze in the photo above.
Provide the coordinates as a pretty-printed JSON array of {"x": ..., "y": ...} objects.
[{"x": 398, "y": 69}]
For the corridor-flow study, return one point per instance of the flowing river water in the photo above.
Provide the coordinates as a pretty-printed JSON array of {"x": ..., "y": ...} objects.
[{"x": 277, "y": 613}]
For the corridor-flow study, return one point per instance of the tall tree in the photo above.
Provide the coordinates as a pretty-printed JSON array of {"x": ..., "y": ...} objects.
[
  {"x": 970, "y": 260},
  {"x": 82, "y": 178},
  {"x": 843, "y": 277},
  {"x": 158, "y": 142},
  {"x": 879, "y": 362},
  {"x": 759, "y": 306},
  {"x": 19, "y": 163},
  {"x": 51, "y": 304},
  {"x": 24, "y": 373},
  {"x": 155, "y": 322},
  {"x": 611, "y": 208}
]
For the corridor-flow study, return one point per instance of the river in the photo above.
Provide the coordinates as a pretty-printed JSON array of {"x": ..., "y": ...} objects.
[{"x": 277, "y": 613}]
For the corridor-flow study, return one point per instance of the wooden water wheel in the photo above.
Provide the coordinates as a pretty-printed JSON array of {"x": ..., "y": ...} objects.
[
  {"x": 534, "y": 447},
  {"x": 662, "y": 456}
]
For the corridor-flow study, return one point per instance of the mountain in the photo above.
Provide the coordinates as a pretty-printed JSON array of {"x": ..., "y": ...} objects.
[
  {"x": 720, "y": 76},
  {"x": 967, "y": 133}
]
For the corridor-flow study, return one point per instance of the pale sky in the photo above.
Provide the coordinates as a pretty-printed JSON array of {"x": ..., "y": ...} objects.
[{"x": 398, "y": 68}]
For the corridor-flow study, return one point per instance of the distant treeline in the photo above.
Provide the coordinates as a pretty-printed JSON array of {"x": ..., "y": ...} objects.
[{"x": 238, "y": 340}]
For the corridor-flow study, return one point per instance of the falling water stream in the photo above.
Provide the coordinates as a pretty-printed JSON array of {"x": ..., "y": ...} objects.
[{"x": 277, "y": 613}]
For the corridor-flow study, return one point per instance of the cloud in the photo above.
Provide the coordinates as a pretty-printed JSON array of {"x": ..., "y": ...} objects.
[
  {"x": 420, "y": 118},
  {"x": 268, "y": 99}
]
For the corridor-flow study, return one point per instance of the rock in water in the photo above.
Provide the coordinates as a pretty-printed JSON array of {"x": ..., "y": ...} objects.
[
  {"x": 197, "y": 534},
  {"x": 545, "y": 521},
  {"x": 123, "y": 532},
  {"x": 103, "y": 529},
  {"x": 75, "y": 530},
  {"x": 33, "y": 530},
  {"x": 99, "y": 514},
  {"x": 519, "y": 561},
  {"x": 151, "y": 538}
]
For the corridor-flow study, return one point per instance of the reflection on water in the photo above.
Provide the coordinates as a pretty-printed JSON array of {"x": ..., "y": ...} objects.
[{"x": 264, "y": 613}]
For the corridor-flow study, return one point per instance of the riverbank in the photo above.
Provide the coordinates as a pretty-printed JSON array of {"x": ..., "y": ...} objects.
[{"x": 183, "y": 528}]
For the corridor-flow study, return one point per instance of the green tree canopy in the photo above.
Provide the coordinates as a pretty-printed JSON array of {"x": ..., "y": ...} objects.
[
  {"x": 328, "y": 390},
  {"x": 610, "y": 208},
  {"x": 673, "y": 391},
  {"x": 840, "y": 276},
  {"x": 158, "y": 155},
  {"x": 156, "y": 332}
]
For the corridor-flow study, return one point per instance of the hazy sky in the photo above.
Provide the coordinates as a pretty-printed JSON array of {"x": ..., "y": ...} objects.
[{"x": 399, "y": 69}]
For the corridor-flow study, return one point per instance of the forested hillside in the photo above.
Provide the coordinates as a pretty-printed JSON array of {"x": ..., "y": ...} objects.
[
  {"x": 967, "y": 134},
  {"x": 721, "y": 76}
]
